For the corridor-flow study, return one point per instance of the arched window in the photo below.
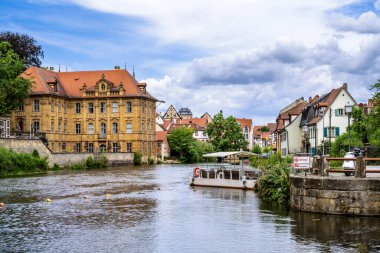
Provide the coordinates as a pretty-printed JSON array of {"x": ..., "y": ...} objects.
[{"x": 103, "y": 86}]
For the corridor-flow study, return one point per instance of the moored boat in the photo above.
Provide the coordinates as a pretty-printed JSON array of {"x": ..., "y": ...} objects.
[{"x": 234, "y": 174}]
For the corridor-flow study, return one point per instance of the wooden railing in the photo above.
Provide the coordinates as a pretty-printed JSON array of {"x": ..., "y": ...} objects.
[{"x": 321, "y": 165}]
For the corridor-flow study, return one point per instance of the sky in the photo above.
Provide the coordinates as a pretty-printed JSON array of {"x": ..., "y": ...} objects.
[{"x": 248, "y": 58}]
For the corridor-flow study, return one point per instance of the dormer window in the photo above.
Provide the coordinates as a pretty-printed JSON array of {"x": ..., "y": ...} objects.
[{"x": 103, "y": 86}]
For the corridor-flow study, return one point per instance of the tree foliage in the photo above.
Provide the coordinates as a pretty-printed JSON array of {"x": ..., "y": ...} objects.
[
  {"x": 367, "y": 126},
  {"x": 340, "y": 145},
  {"x": 24, "y": 46},
  {"x": 12, "y": 87},
  {"x": 263, "y": 129},
  {"x": 181, "y": 141},
  {"x": 225, "y": 134}
]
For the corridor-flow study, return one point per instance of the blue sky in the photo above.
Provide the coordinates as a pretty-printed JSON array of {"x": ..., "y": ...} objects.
[{"x": 249, "y": 58}]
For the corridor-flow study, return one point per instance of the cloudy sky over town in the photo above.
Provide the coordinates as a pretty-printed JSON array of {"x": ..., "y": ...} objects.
[{"x": 249, "y": 58}]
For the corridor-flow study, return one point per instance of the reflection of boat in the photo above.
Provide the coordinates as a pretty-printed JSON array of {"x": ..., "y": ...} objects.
[{"x": 239, "y": 175}]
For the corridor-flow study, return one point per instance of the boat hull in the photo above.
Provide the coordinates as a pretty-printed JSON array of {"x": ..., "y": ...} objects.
[{"x": 248, "y": 184}]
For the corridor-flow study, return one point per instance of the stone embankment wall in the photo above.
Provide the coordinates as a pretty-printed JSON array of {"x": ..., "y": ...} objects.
[
  {"x": 354, "y": 196},
  {"x": 27, "y": 146}
]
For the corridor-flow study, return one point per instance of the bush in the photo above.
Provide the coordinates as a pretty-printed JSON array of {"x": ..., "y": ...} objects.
[
  {"x": 137, "y": 160},
  {"x": 150, "y": 160},
  {"x": 12, "y": 163},
  {"x": 256, "y": 149}
]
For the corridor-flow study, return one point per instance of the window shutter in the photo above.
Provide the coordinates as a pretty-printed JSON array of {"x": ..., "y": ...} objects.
[
  {"x": 325, "y": 132},
  {"x": 337, "y": 131},
  {"x": 336, "y": 112}
]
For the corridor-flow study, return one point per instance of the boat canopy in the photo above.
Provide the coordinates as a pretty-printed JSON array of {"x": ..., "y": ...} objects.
[{"x": 230, "y": 153}]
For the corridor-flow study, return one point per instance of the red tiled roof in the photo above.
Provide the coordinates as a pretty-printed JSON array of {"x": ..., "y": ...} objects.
[
  {"x": 71, "y": 83},
  {"x": 272, "y": 127},
  {"x": 162, "y": 136},
  {"x": 202, "y": 122}
]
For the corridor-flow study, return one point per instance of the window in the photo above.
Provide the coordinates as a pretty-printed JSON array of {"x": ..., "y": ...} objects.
[
  {"x": 59, "y": 106},
  {"x": 36, "y": 107},
  {"x": 159, "y": 144},
  {"x": 142, "y": 126},
  {"x": 52, "y": 126},
  {"x": 312, "y": 132},
  {"x": 196, "y": 133},
  {"x": 65, "y": 127},
  {"x": 143, "y": 107},
  {"x": 52, "y": 106},
  {"x": 114, "y": 128},
  {"x": 103, "y": 86},
  {"x": 90, "y": 148},
  {"x": 114, "y": 107},
  {"x": 77, "y": 107},
  {"x": 36, "y": 126},
  {"x": 115, "y": 147},
  {"x": 90, "y": 128},
  {"x": 331, "y": 132},
  {"x": 59, "y": 126},
  {"x": 246, "y": 132},
  {"x": 90, "y": 107},
  {"x": 129, "y": 106},
  {"x": 283, "y": 137},
  {"x": 102, "y": 107},
  {"x": 103, "y": 128},
  {"x": 64, "y": 107},
  {"x": 339, "y": 112},
  {"x": 129, "y": 128},
  {"x": 77, "y": 147},
  {"x": 21, "y": 106},
  {"x": 129, "y": 147},
  {"x": 77, "y": 128}
]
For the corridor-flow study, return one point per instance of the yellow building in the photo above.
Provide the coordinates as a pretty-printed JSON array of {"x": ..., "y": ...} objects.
[{"x": 88, "y": 111}]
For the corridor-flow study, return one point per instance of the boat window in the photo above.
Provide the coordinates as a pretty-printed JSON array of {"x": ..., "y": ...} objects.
[
  {"x": 211, "y": 174},
  {"x": 221, "y": 175},
  {"x": 203, "y": 174},
  {"x": 235, "y": 175},
  {"x": 227, "y": 174}
]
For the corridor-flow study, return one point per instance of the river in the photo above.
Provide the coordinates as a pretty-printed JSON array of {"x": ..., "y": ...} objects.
[{"x": 153, "y": 209}]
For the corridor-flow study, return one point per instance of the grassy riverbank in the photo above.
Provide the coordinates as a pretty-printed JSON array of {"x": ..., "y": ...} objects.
[
  {"x": 26, "y": 164},
  {"x": 17, "y": 164}
]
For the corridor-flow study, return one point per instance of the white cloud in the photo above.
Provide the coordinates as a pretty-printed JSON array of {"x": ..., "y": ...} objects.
[
  {"x": 367, "y": 22},
  {"x": 225, "y": 24},
  {"x": 377, "y": 4}
]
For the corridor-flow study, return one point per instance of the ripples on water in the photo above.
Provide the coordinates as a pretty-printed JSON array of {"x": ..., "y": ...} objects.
[{"x": 153, "y": 209}]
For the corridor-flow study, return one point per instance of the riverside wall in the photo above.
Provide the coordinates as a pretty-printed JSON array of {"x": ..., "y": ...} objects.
[
  {"x": 346, "y": 195},
  {"x": 28, "y": 145}
]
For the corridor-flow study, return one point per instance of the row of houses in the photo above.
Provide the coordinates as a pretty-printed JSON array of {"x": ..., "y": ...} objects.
[
  {"x": 173, "y": 119},
  {"x": 305, "y": 126}
]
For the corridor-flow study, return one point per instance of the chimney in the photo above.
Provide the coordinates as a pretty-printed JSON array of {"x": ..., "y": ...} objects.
[
  {"x": 345, "y": 86},
  {"x": 310, "y": 99},
  {"x": 117, "y": 67},
  {"x": 51, "y": 68}
]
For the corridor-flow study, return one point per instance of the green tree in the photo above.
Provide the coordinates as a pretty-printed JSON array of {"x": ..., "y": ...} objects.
[
  {"x": 263, "y": 129},
  {"x": 340, "y": 146},
  {"x": 360, "y": 123},
  {"x": 25, "y": 46},
  {"x": 180, "y": 140},
  {"x": 225, "y": 134},
  {"x": 13, "y": 88}
]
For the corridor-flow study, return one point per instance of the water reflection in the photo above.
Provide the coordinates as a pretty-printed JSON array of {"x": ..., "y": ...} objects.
[{"x": 337, "y": 231}]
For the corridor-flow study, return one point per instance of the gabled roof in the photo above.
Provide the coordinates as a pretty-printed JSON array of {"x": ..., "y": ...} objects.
[
  {"x": 202, "y": 122},
  {"x": 272, "y": 127},
  {"x": 294, "y": 108},
  {"x": 162, "y": 136},
  {"x": 309, "y": 115}
]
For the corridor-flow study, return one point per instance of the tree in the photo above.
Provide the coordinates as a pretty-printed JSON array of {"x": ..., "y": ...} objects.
[
  {"x": 13, "y": 88},
  {"x": 340, "y": 146},
  {"x": 225, "y": 134},
  {"x": 360, "y": 123},
  {"x": 25, "y": 46},
  {"x": 180, "y": 140},
  {"x": 263, "y": 129}
]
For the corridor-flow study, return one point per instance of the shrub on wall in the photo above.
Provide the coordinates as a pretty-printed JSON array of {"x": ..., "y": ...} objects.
[{"x": 137, "y": 159}]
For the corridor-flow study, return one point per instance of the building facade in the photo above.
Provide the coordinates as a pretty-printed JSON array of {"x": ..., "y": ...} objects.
[{"x": 88, "y": 111}]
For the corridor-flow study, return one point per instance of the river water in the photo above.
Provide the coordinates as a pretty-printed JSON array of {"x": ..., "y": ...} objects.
[{"x": 153, "y": 209}]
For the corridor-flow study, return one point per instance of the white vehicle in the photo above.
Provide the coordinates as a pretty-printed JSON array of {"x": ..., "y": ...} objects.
[
  {"x": 234, "y": 174},
  {"x": 349, "y": 165}
]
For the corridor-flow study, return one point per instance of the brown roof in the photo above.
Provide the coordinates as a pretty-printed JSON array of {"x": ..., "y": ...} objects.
[
  {"x": 162, "y": 136},
  {"x": 272, "y": 127},
  {"x": 245, "y": 122},
  {"x": 256, "y": 132},
  {"x": 70, "y": 83},
  {"x": 202, "y": 122}
]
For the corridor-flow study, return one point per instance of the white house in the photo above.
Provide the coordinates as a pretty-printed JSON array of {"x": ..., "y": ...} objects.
[{"x": 326, "y": 118}]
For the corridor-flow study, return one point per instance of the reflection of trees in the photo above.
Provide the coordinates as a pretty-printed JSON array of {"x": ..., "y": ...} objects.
[{"x": 362, "y": 233}]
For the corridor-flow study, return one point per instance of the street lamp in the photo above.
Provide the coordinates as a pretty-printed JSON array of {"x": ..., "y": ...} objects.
[
  {"x": 322, "y": 114},
  {"x": 304, "y": 130},
  {"x": 348, "y": 109}
]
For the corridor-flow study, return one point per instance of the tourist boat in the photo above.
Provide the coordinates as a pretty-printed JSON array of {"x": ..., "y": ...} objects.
[{"x": 235, "y": 174}]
